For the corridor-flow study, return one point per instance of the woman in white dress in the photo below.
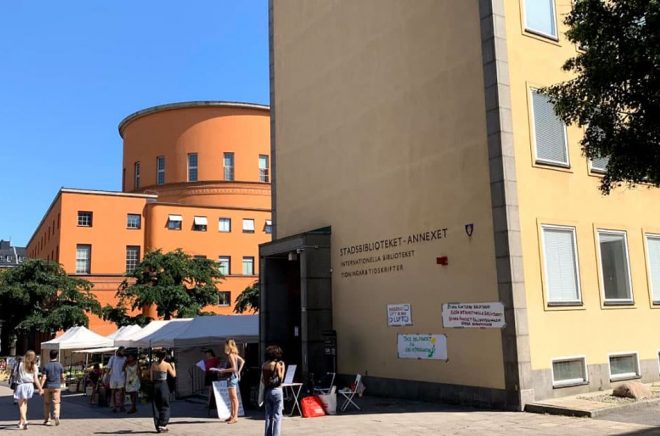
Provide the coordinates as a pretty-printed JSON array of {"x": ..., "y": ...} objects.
[{"x": 28, "y": 377}]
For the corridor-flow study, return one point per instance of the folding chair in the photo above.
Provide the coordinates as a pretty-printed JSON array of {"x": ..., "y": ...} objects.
[
  {"x": 349, "y": 393},
  {"x": 324, "y": 386}
]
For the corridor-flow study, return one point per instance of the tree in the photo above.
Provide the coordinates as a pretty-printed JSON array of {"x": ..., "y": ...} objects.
[
  {"x": 248, "y": 300},
  {"x": 178, "y": 284},
  {"x": 119, "y": 315},
  {"x": 615, "y": 95},
  {"x": 39, "y": 296}
]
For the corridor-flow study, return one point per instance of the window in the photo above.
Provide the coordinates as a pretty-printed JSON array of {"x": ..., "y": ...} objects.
[
  {"x": 228, "y": 164},
  {"x": 132, "y": 257},
  {"x": 192, "y": 167},
  {"x": 224, "y": 298},
  {"x": 133, "y": 221},
  {"x": 599, "y": 165},
  {"x": 160, "y": 170},
  {"x": 248, "y": 266},
  {"x": 174, "y": 222},
  {"x": 540, "y": 17},
  {"x": 83, "y": 258},
  {"x": 549, "y": 132},
  {"x": 615, "y": 272},
  {"x": 224, "y": 225},
  {"x": 263, "y": 168},
  {"x": 200, "y": 223},
  {"x": 561, "y": 267},
  {"x": 268, "y": 226},
  {"x": 624, "y": 366},
  {"x": 225, "y": 265},
  {"x": 84, "y": 219},
  {"x": 248, "y": 225},
  {"x": 569, "y": 371},
  {"x": 653, "y": 248},
  {"x": 136, "y": 176}
]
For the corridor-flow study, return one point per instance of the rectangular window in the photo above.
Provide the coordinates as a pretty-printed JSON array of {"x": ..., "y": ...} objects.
[
  {"x": 83, "y": 258},
  {"x": 225, "y": 265},
  {"x": 228, "y": 165},
  {"x": 263, "y": 168},
  {"x": 160, "y": 170},
  {"x": 136, "y": 176},
  {"x": 624, "y": 366},
  {"x": 268, "y": 227},
  {"x": 224, "y": 298},
  {"x": 133, "y": 221},
  {"x": 248, "y": 225},
  {"x": 248, "y": 266},
  {"x": 599, "y": 165},
  {"x": 200, "y": 223},
  {"x": 224, "y": 225},
  {"x": 561, "y": 266},
  {"x": 174, "y": 222},
  {"x": 653, "y": 248},
  {"x": 614, "y": 268},
  {"x": 84, "y": 219},
  {"x": 549, "y": 132},
  {"x": 132, "y": 257},
  {"x": 540, "y": 17},
  {"x": 192, "y": 167},
  {"x": 569, "y": 371}
]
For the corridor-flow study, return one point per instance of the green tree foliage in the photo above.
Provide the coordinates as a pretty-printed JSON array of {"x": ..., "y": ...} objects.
[
  {"x": 248, "y": 300},
  {"x": 39, "y": 296},
  {"x": 120, "y": 316},
  {"x": 178, "y": 284},
  {"x": 615, "y": 95}
]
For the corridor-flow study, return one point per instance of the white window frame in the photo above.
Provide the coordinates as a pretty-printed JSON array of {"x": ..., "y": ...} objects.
[
  {"x": 628, "y": 375},
  {"x": 89, "y": 215},
  {"x": 200, "y": 224},
  {"x": 229, "y": 302},
  {"x": 226, "y": 168},
  {"x": 264, "y": 173},
  {"x": 220, "y": 258},
  {"x": 136, "y": 260},
  {"x": 532, "y": 126},
  {"x": 128, "y": 221},
  {"x": 193, "y": 167},
  {"x": 570, "y": 382},
  {"x": 539, "y": 32},
  {"x": 268, "y": 227},
  {"x": 545, "y": 265},
  {"x": 88, "y": 269},
  {"x": 614, "y": 301},
  {"x": 160, "y": 172},
  {"x": 649, "y": 270},
  {"x": 243, "y": 265},
  {"x": 220, "y": 221},
  {"x": 175, "y": 218},
  {"x": 248, "y": 230},
  {"x": 596, "y": 170}
]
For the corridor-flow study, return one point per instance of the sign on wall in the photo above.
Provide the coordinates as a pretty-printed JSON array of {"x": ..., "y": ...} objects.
[
  {"x": 473, "y": 315},
  {"x": 416, "y": 346},
  {"x": 399, "y": 314}
]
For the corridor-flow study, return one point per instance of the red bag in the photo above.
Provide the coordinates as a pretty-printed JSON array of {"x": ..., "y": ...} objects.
[{"x": 312, "y": 407}]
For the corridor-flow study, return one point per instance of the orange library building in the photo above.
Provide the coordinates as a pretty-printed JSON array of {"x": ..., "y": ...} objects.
[{"x": 195, "y": 177}]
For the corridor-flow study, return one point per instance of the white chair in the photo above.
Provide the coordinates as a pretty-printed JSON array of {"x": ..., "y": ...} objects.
[
  {"x": 349, "y": 394},
  {"x": 322, "y": 389}
]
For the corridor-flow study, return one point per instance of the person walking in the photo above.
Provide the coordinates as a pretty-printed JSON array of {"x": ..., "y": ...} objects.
[
  {"x": 132, "y": 370},
  {"x": 117, "y": 379},
  {"x": 13, "y": 379},
  {"x": 233, "y": 367},
  {"x": 28, "y": 377},
  {"x": 159, "y": 371},
  {"x": 272, "y": 375},
  {"x": 52, "y": 378}
]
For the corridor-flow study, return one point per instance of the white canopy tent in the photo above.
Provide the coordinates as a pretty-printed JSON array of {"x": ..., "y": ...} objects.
[
  {"x": 205, "y": 330},
  {"x": 140, "y": 339},
  {"x": 163, "y": 336},
  {"x": 77, "y": 338},
  {"x": 124, "y": 332}
]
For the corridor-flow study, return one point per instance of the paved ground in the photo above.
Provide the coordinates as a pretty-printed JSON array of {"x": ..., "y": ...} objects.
[
  {"x": 649, "y": 415},
  {"x": 379, "y": 417}
]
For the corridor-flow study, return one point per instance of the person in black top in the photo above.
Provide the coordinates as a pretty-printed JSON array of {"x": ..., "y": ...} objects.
[{"x": 272, "y": 375}]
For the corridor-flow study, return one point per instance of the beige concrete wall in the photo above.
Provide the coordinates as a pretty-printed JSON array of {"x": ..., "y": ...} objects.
[{"x": 380, "y": 133}]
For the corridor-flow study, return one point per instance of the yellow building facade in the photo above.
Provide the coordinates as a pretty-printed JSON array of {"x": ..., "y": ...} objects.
[{"x": 431, "y": 210}]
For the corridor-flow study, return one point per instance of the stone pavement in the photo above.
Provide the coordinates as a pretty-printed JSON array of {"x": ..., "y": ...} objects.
[{"x": 378, "y": 417}]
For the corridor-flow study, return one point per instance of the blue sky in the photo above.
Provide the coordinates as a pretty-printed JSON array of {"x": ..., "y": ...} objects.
[{"x": 71, "y": 70}]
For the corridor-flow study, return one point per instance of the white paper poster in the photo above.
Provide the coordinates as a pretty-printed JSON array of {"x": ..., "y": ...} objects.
[
  {"x": 399, "y": 314},
  {"x": 473, "y": 315},
  {"x": 421, "y": 346},
  {"x": 222, "y": 402}
]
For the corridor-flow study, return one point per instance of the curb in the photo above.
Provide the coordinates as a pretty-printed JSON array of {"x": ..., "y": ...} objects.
[{"x": 555, "y": 409}]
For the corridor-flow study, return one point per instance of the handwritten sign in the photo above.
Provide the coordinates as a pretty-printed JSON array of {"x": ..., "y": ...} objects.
[
  {"x": 399, "y": 314},
  {"x": 417, "y": 346},
  {"x": 222, "y": 402},
  {"x": 473, "y": 315}
]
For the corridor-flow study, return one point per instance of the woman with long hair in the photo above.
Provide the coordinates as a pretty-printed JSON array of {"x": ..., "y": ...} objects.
[
  {"x": 28, "y": 377},
  {"x": 160, "y": 369},
  {"x": 272, "y": 375},
  {"x": 233, "y": 367}
]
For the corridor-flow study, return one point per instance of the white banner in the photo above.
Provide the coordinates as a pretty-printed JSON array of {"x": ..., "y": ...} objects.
[
  {"x": 416, "y": 346},
  {"x": 473, "y": 315},
  {"x": 399, "y": 314}
]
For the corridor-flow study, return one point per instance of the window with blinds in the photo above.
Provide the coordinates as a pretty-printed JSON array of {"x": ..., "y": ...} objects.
[
  {"x": 653, "y": 248},
  {"x": 549, "y": 132},
  {"x": 624, "y": 366},
  {"x": 615, "y": 272},
  {"x": 569, "y": 371},
  {"x": 599, "y": 165},
  {"x": 561, "y": 266}
]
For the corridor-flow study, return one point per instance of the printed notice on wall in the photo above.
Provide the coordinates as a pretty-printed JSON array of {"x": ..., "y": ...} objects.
[
  {"x": 399, "y": 314},
  {"x": 417, "y": 346},
  {"x": 473, "y": 315}
]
